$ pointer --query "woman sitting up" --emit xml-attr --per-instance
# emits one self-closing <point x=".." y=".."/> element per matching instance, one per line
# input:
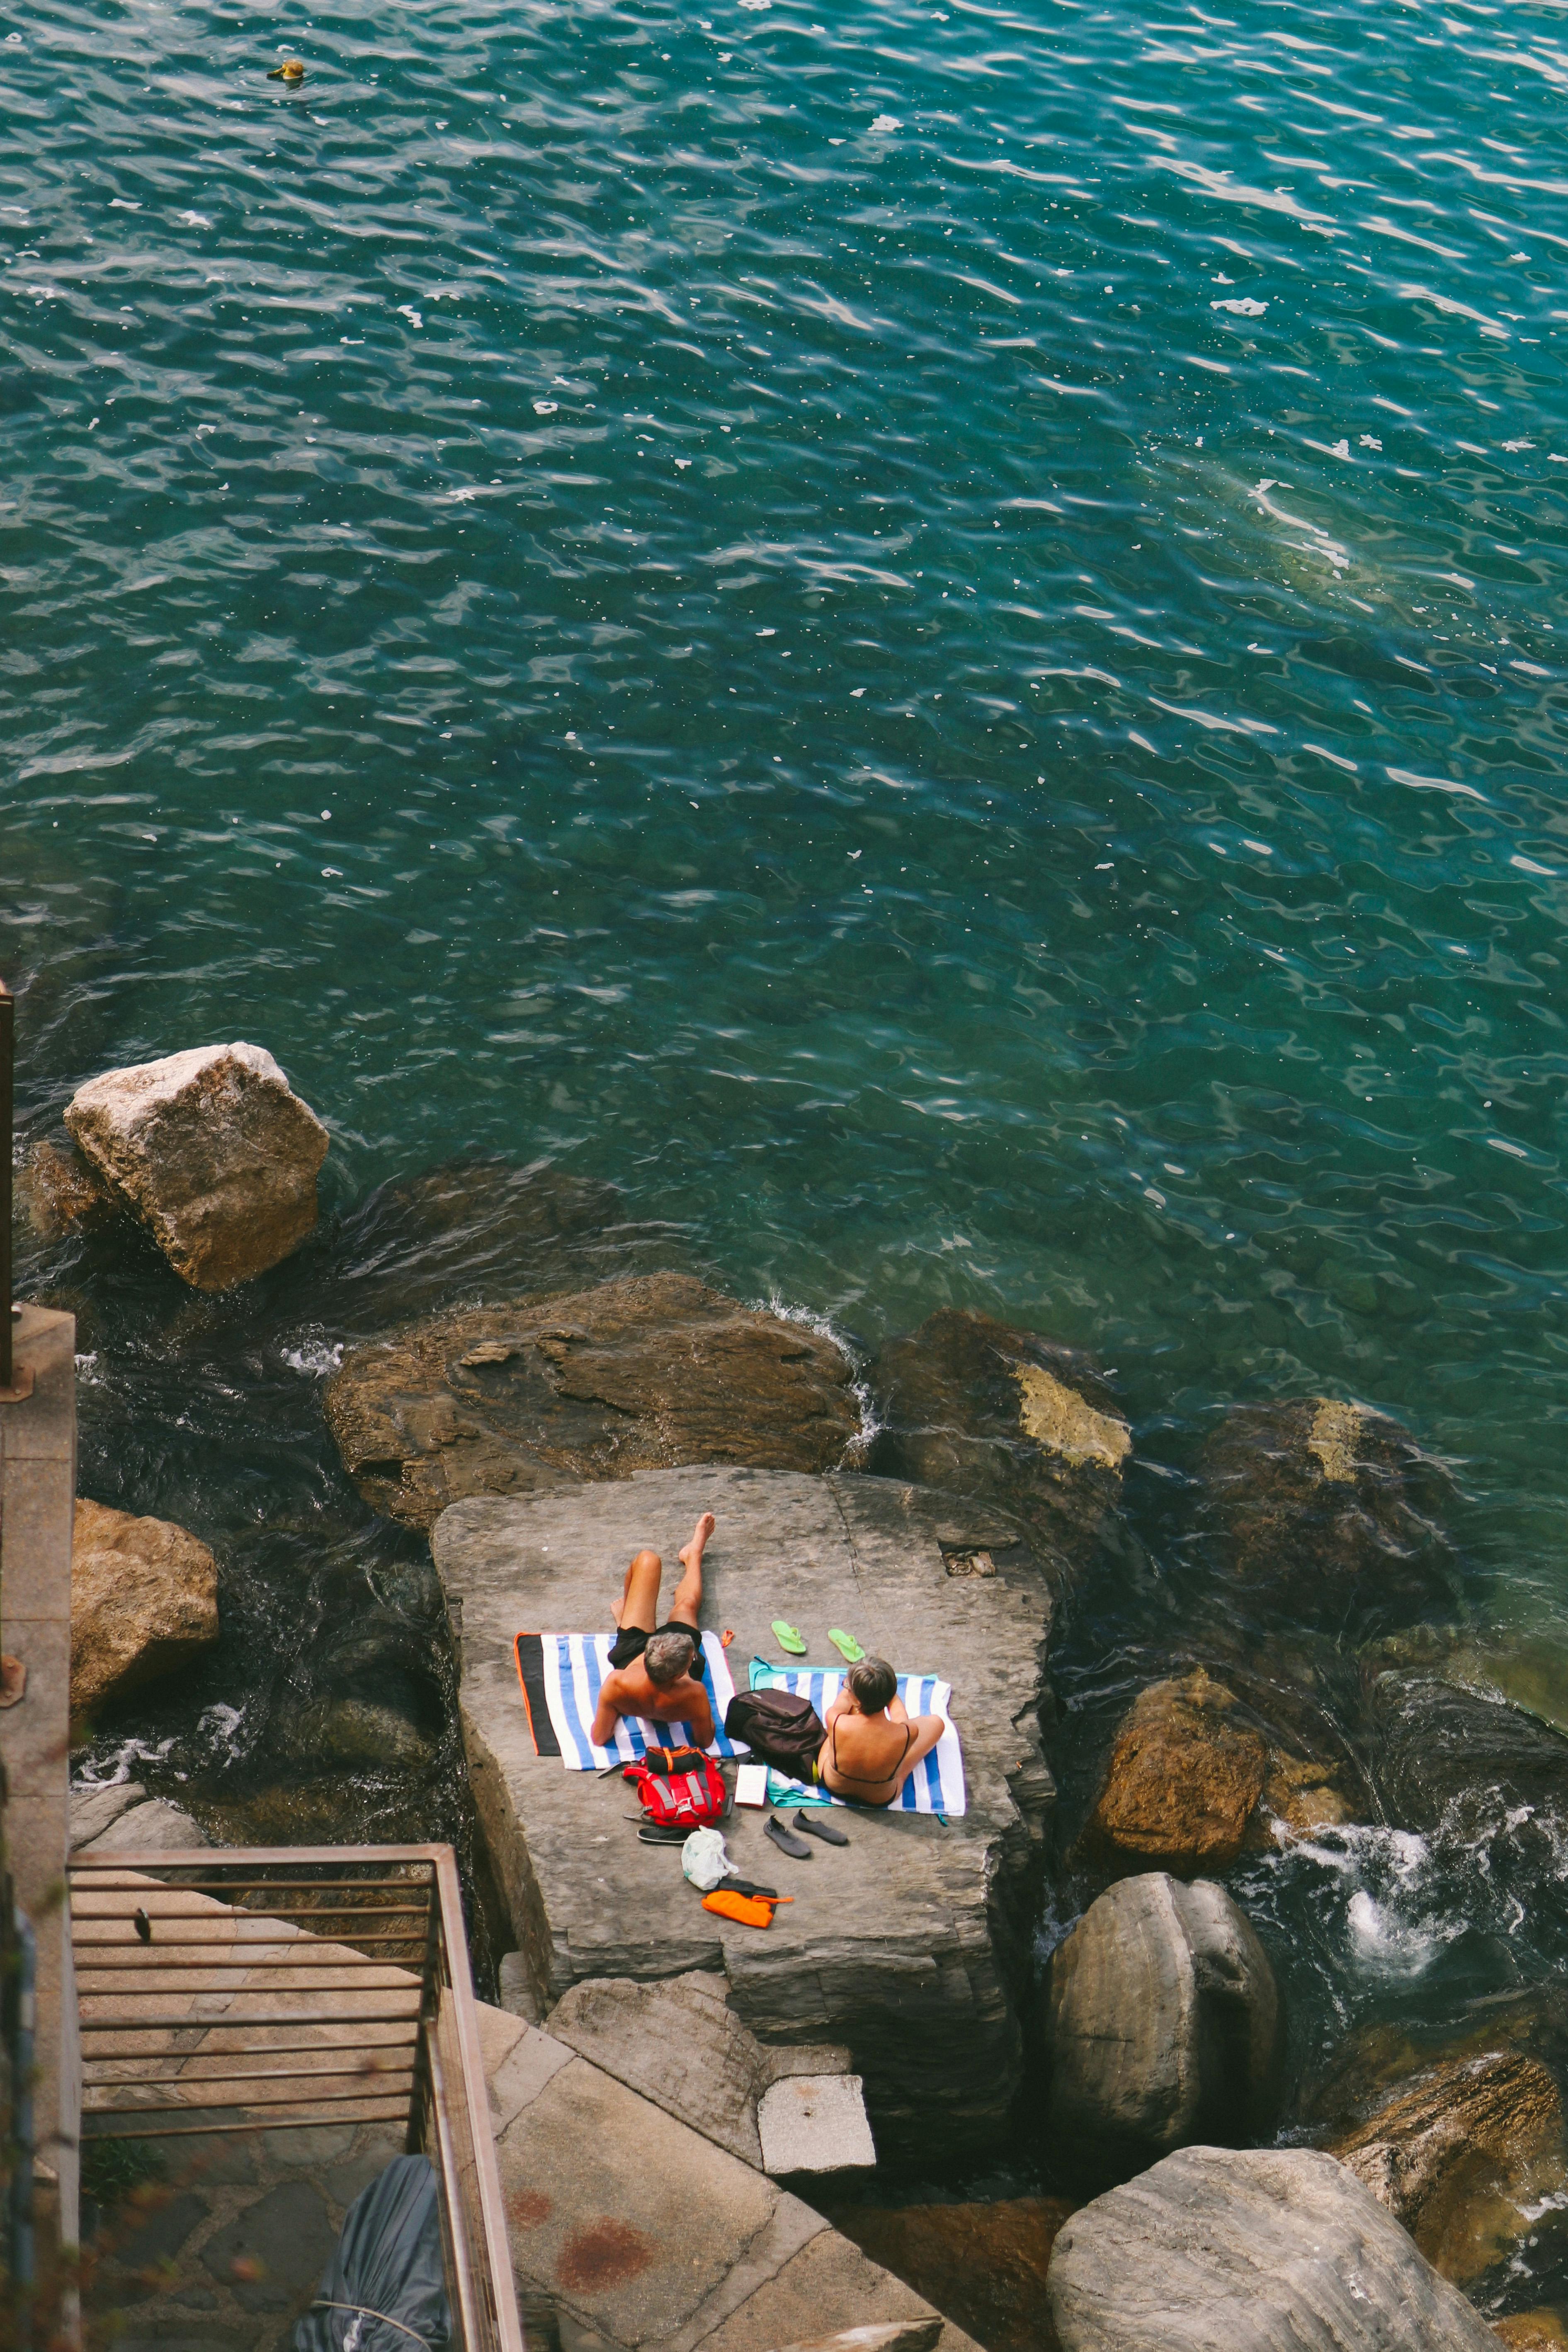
<point x="872" y="1747"/>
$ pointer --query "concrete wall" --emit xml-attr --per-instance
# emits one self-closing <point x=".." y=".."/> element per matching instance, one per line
<point x="37" y="1503"/>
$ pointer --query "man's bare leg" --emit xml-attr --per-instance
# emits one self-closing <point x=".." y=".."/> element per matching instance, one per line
<point x="638" y="1604"/>
<point x="687" y="1602"/>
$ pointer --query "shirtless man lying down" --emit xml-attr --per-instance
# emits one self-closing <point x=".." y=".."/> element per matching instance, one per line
<point x="657" y="1670"/>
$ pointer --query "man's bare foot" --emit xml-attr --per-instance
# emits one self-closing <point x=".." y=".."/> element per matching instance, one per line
<point x="691" y="1555"/>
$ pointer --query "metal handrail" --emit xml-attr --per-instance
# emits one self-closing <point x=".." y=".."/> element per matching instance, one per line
<point x="141" y="2071"/>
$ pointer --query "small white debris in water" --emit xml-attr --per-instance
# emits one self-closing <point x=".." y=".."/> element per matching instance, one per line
<point x="1243" y="305"/>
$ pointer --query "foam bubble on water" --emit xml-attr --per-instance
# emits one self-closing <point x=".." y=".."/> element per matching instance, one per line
<point x="316" y="1358"/>
<point x="113" y="1770"/>
<point x="1395" y="1920"/>
<point x="823" y="1328"/>
<point x="219" y="1724"/>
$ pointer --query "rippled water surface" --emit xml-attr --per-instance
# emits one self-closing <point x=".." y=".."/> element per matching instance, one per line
<point x="932" y="641"/>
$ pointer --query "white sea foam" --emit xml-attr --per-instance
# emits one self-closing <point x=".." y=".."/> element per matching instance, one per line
<point x="315" y="1358"/>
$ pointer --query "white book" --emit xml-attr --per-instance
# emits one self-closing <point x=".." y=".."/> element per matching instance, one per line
<point x="751" y="1784"/>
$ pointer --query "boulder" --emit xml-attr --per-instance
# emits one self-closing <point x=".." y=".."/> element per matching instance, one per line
<point x="143" y="1602"/>
<point x="1190" y="1782"/>
<point x="153" y="1826"/>
<point x="1466" y="2155"/>
<point x="213" y="1152"/>
<point x="912" y="1946"/>
<point x="1320" y="1512"/>
<point x="1163" y="2023"/>
<point x="985" y="2264"/>
<point x="1250" y="2250"/>
<point x="549" y="1392"/>
<point x="974" y="1405"/>
<point x="1481" y="1775"/>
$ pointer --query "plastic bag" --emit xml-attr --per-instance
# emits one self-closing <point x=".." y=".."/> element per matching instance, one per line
<point x="704" y="1860"/>
<point x="384" y="2289"/>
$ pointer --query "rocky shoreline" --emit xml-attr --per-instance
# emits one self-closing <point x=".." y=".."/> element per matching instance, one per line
<point x="1250" y="1694"/>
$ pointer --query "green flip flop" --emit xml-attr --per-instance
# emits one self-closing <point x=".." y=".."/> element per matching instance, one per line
<point x="848" y="1647"/>
<point x="788" y="1639"/>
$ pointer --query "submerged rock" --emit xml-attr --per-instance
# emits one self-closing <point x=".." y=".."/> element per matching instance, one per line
<point x="971" y="1404"/>
<point x="1465" y="2155"/>
<point x="1163" y="2024"/>
<point x="357" y="1735"/>
<point x="1250" y="2250"/>
<point x="214" y="1152"/>
<point x="480" y="1227"/>
<point x="1191" y="1781"/>
<point x="1482" y="1775"/>
<point x="1316" y="1507"/>
<point x="143" y="1602"/>
<point x="62" y="1193"/>
<point x="984" y="2264"/>
<point x="637" y="1375"/>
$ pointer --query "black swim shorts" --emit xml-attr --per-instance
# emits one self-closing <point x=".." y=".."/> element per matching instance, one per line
<point x="632" y="1641"/>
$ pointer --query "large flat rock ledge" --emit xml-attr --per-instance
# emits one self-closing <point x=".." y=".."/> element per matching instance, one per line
<point x="910" y="1947"/>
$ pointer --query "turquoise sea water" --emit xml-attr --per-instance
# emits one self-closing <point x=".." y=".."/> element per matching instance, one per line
<point x="932" y="637"/>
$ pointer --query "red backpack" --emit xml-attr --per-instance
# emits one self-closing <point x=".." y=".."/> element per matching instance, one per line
<point x="691" y="1800"/>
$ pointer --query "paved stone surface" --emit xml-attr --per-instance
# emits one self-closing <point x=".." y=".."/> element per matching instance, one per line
<point x="679" y="2042"/>
<point x="630" y="2228"/>
<point x="910" y="1946"/>
<point x="285" y="2238"/>
<point x="814" y="2123"/>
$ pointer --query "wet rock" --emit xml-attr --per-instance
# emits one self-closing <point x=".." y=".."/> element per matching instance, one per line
<point x="1163" y="2024"/>
<point x="214" y="1152"/>
<point x="1254" y="2250"/>
<point x="974" y="1405"/>
<point x="1463" y="2155"/>
<point x="1183" y="1779"/>
<point x="643" y="1374"/>
<point x="357" y="1735"/>
<point x="1482" y="1776"/>
<point x="984" y="2265"/>
<point x="143" y="1602"/>
<point x="1320" y="1512"/>
<point x="62" y="1193"/>
<point x="1531" y="2331"/>
<point x="153" y="1826"/>
<point x="1191" y="1781"/>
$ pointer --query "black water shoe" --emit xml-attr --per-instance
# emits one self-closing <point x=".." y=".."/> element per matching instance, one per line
<point x="820" y="1826"/>
<point x="786" y="1839"/>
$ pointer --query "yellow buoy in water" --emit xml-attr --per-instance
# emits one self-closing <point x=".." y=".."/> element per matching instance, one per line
<point x="289" y="70"/>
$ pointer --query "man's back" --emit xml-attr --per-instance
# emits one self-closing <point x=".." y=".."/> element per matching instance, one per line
<point x="630" y="1690"/>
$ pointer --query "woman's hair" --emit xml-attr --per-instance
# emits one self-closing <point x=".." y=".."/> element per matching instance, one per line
<point x="666" y="1657"/>
<point x="872" y="1684"/>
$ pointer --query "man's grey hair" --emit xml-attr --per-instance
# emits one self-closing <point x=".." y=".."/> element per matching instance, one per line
<point x="668" y="1656"/>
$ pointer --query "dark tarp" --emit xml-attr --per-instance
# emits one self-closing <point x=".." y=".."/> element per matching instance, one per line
<point x="386" y="2275"/>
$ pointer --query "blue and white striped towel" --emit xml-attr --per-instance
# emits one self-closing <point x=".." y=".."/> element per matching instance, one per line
<point x="936" y="1784"/>
<point x="575" y="1666"/>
